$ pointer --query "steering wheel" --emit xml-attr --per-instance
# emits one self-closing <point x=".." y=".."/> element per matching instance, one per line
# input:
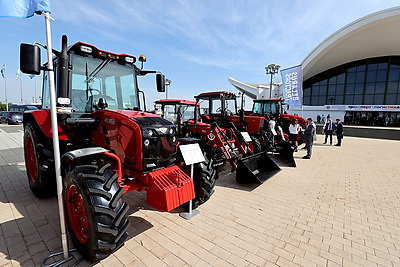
<point x="218" y="109"/>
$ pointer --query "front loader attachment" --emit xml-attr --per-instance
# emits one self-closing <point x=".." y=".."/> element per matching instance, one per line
<point x="256" y="168"/>
<point x="286" y="151"/>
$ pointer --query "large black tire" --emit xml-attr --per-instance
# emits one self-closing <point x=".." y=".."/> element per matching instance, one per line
<point x="204" y="179"/>
<point x="39" y="162"/>
<point x="256" y="144"/>
<point x="96" y="213"/>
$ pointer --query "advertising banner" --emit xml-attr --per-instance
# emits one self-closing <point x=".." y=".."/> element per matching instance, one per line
<point x="292" y="83"/>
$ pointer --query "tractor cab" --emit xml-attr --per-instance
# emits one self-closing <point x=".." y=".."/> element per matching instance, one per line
<point x="217" y="106"/>
<point x="276" y="108"/>
<point x="177" y="111"/>
<point x="268" y="107"/>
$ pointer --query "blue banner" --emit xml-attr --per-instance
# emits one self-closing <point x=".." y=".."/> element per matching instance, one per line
<point x="23" y="8"/>
<point x="292" y="82"/>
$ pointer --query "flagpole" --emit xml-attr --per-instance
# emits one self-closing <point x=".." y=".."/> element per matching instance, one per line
<point x="35" y="100"/>
<point x="20" y="84"/>
<point x="5" y="89"/>
<point x="54" y="127"/>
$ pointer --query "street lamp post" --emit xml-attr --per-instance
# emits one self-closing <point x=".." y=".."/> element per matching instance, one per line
<point x="167" y="83"/>
<point x="271" y="69"/>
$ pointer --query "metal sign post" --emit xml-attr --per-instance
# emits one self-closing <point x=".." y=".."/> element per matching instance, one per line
<point x="191" y="155"/>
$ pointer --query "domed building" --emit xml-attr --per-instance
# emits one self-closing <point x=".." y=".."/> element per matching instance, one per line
<point x="354" y="74"/>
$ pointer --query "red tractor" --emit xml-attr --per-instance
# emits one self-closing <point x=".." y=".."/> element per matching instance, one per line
<point x="274" y="108"/>
<point x="218" y="137"/>
<point x="223" y="110"/>
<point x="109" y="146"/>
<point x="177" y="111"/>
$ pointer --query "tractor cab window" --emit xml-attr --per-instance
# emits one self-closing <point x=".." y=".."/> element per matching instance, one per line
<point x="267" y="108"/>
<point x="187" y="112"/>
<point x="93" y="79"/>
<point x="45" y="92"/>
<point x="169" y="113"/>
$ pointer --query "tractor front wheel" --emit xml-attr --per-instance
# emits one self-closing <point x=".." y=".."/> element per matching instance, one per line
<point x="205" y="177"/>
<point x="96" y="214"/>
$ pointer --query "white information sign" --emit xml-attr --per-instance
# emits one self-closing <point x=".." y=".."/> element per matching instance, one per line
<point x="192" y="153"/>
<point x="246" y="136"/>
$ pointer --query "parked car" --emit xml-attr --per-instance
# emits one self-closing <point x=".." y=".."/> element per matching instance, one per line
<point x="11" y="117"/>
<point x="23" y="107"/>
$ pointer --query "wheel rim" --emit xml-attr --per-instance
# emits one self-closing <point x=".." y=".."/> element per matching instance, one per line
<point x="30" y="158"/>
<point x="77" y="213"/>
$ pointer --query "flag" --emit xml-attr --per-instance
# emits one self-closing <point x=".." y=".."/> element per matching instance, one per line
<point x="3" y="71"/>
<point x="292" y="82"/>
<point x="23" y="8"/>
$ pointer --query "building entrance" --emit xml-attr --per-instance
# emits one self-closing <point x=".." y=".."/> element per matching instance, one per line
<point x="373" y="118"/>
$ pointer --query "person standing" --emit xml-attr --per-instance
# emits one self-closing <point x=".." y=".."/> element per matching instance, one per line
<point x="328" y="130"/>
<point x="309" y="137"/>
<point x="272" y="124"/>
<point x="323" y="118"/>
<point x="339" y="132"/>
<point x="294" y="129"/>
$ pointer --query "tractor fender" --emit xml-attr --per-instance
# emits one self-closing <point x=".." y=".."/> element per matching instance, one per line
<point x="43" y="119"/>
<point x="73" y="156"/>
<point x="82" y="152"/>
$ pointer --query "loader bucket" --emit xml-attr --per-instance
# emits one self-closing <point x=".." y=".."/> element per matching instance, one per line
<point x="256" y="168"/>
<point x="286" y="151"/>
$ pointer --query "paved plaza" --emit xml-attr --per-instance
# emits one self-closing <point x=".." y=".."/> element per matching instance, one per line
<point x="340" y="208"/>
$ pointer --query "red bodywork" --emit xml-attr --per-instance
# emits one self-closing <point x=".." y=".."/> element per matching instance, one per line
<point x="221" y="138"/>
<point x="43" y="119"/>
<point x="167" y="188"/>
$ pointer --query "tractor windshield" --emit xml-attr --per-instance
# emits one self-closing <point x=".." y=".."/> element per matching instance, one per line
<point x="216" y="106"/>
<point x="267" y="108"/>
<point x="171" y="111"/>
<point x="94" y="78"/>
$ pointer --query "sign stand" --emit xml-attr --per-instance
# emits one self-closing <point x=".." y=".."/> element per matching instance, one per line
<point x="191" y="155"/>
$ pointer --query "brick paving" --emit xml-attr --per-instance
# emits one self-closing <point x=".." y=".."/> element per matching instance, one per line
<point x="341" y="208"/>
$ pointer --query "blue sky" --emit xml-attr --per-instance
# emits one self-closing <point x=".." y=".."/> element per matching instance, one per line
<point x="197" y="44"/>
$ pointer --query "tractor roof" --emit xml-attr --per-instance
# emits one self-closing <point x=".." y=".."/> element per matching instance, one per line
<point x="176" y="101"/>
<point x="216" y="95"/>
<point x="266" y="100"/>
<point x="88" y="49"/>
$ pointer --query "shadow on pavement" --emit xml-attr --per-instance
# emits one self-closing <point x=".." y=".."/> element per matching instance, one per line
<point x="30" y="227"/>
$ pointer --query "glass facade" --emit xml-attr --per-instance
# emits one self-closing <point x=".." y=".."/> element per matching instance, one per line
<point x="373" y="81"/>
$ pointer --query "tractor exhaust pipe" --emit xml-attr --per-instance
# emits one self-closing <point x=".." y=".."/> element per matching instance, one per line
<point x="63" y="69"/>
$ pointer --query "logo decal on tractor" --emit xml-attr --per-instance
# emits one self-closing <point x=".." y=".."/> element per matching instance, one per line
<point x="211" y="136"/>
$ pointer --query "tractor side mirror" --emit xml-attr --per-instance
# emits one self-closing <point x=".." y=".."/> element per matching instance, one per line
<point x="29" y="60"/>
<point x="160" y="82"/>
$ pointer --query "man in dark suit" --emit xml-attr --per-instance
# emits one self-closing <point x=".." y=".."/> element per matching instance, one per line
<point x="328" y="130"/>
<point x="309" y="137"/>
<point x="339" y="132"/>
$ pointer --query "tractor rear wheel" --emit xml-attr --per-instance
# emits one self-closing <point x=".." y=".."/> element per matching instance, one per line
<point x="204" y="178"/>
<point x="96" y="213"/>
<point x="39" y="162"/>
